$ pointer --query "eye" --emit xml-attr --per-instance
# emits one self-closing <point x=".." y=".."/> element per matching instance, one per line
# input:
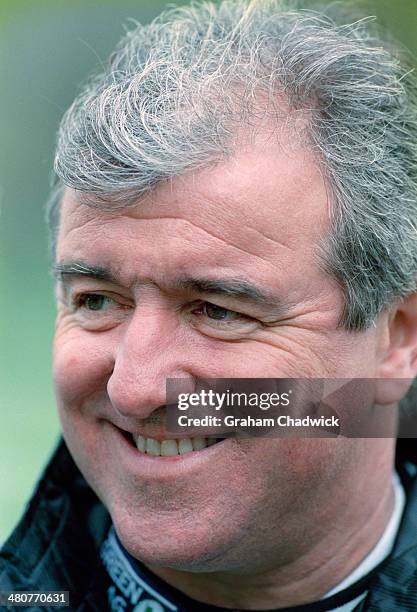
<point x="96" y="311"/>
<point x="93" y="301"/>
<point x="209" y="313"/>
<point x="222" y="323"/>
<point x="218" y="313"/>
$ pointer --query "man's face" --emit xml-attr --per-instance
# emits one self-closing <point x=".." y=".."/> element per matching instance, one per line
<point x="258" y="218"/>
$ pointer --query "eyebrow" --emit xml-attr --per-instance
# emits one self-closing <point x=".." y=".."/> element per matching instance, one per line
<point x="234" y="287"/>
<point x="76" y="268"/>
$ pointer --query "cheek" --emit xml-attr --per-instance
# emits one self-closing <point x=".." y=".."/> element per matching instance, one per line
<point x="82" y="365"/>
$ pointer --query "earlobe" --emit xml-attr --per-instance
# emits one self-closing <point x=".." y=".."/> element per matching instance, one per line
<point x="389" y="391"/>
<point x="398" y="366"/>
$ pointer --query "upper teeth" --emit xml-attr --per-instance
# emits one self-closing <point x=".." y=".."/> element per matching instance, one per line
<point x="166" y="448"/>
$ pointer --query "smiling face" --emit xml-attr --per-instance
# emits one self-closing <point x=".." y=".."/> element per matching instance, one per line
<point x="214" y="274"/>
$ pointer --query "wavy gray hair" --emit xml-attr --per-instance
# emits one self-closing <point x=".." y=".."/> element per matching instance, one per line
<point x="176" y="92"/>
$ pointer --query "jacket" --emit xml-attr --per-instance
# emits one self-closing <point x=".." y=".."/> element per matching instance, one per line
<point x="55" y="544"/>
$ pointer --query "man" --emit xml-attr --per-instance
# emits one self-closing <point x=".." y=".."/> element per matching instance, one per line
<point x="236" y="199"/>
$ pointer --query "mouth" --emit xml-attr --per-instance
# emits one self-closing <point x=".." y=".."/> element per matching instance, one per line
<point x="160" y="457"/>
<point x="171" y="447"/>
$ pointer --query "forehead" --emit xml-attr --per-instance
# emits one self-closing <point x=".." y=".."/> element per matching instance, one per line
<point x="265" y="206"/>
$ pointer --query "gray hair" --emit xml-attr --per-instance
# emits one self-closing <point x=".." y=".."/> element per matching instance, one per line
<point x="176" y="93"/>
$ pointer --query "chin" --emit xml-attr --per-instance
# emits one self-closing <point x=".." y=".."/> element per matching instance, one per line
<point x="162" y="542"/>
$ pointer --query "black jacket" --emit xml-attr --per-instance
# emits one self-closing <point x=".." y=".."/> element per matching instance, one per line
<point x="55" y="545"/>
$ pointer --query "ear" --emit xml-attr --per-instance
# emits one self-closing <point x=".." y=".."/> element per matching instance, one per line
<point x="398" y="366"/>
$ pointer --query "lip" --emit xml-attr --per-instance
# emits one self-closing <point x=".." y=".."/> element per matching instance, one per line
<point x="147" y="466"/>
<point x="158" y="432"/>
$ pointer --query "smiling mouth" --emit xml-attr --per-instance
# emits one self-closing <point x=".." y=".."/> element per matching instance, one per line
<point x="170" y="448"/>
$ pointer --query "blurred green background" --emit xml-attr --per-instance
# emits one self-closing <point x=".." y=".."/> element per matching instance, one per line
<point x="47" y="48"/>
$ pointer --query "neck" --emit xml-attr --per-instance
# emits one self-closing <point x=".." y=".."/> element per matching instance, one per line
<point x="309" y="577"/>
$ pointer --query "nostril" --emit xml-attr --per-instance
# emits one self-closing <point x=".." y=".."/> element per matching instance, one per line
<point x="157" y="417"/>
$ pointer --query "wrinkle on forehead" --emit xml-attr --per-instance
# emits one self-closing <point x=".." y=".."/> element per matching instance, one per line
<point x="183" y="237"/>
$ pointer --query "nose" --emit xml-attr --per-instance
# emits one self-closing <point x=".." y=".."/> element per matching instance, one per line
<point x="149" y="352"/>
